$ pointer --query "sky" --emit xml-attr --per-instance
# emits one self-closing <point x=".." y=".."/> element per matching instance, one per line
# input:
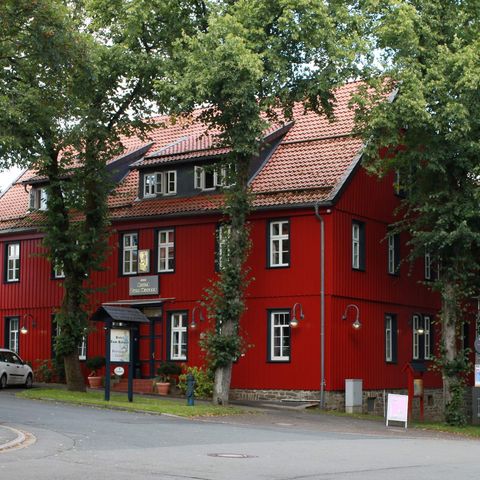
<point x="7" y="177"/>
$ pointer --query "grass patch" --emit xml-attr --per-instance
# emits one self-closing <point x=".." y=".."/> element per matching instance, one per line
<point x="139" y="404"/>
<point x="472" y="431"/>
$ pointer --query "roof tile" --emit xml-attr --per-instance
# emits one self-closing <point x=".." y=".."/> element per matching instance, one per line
<point x="308" y="164"/>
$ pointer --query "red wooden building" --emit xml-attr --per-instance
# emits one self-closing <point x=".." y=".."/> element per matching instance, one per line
<point x="321" y="255"/>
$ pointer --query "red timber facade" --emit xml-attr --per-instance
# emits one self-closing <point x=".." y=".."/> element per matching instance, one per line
<point x="307" y="164"/>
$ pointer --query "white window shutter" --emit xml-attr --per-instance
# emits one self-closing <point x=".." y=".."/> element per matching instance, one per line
<point x="198" y="178"/>
<point x="160" y="187"/>
<point x="31" y="199"/>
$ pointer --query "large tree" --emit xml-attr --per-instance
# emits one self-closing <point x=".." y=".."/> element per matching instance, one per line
<point x="74" y="78"/>
<point x="254" y="60"/>
<point x="429" y="133"/>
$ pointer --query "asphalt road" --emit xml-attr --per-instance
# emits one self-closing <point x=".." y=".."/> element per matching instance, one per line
<point x="87" y="443"/>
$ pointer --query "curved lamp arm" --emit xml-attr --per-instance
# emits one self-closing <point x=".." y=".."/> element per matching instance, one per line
<point x="356" y="324"/>
<point x="301" y="316"/>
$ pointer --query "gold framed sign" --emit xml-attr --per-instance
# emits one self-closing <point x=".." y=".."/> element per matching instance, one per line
<point x="144" y="261"/>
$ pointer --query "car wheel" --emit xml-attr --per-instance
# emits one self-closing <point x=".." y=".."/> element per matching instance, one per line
<point x="29" y="381"/>
<point x="3" y="381"/>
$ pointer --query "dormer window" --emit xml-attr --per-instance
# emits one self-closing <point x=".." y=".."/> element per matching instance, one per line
<point x="160" y="183"/>
<point x="210" y="177"/>
<point x="38" y="199"/>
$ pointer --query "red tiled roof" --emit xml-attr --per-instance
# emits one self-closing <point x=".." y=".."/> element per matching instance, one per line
<point x="307" y="166"/>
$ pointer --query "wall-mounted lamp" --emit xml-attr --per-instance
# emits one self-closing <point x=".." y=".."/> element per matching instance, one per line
<point x="301" y="316"/>
<point x="27" y="318"/>
<point x="418" y="323"/>
<point x="201" y="318"/>
<point x="356" y="324"/>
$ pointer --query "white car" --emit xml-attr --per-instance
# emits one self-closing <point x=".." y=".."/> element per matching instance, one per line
<point x="13" y="370"/>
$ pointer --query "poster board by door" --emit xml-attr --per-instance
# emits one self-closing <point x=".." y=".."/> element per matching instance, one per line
<point x="397" y="408"/>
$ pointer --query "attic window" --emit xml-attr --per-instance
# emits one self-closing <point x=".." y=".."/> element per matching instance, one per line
<point x="38" y="199"/>
<point x="210" y="177"/>
<point x="160" y="183"/>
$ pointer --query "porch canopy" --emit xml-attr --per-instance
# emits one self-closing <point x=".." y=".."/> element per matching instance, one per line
<point x="119" y="314"/>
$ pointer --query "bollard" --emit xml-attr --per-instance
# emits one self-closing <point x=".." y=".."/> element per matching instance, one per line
<point x="190" y="392"/>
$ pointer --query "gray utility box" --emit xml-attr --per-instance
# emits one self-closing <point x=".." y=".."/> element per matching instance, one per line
<point x="353" y="395"/>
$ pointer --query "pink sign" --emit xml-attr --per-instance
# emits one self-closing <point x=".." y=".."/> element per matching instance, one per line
<point x="397" y="408"/>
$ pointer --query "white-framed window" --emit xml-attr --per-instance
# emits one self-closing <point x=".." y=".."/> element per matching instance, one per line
<point x="427" y="332"/>
<point x="166" y="250"/>
<point x="223" y="235"/>
<point x="12" y="262"/>
<point x="205" y="178"/>
<point x="38" y="198"/>
<point x="393" y="240"/>
<point x="422" y="333"/>
<point x="355" y="245"/>
<point x="279" y="243"/>
<point x="129" y="253"/>
<point x="170" y="182"/>
<point x="149" y="185"/>
<point x="416" y="320"/>
<point x="391" y="254"/>
<point x="279" y="336"/>
<point x="178" y="336"/>
<point x="82" y="349"/>
<point x="160" y="183"/>
<point x="211" y="177"/>
<point x="12" y="333"/>
<point x="388" y="338"/>
<point x="358" y="245"/>
<point x="427" y="266"/>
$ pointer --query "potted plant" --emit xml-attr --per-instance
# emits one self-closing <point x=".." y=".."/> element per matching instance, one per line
<point x="94" y="364"/>
<point x="165" y="372"/>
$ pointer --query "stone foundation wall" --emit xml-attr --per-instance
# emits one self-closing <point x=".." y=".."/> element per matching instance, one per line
<point x="373" y="400"/>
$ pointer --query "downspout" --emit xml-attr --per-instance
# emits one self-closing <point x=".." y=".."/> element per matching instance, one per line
<point x="322" y="307"/>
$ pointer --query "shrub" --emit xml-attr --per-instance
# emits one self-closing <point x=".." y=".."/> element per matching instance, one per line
<point x="203" y="382"/>
<point x="95" y="363"/>
<point x="44" y="372"/>
<point x="166" y="369"/>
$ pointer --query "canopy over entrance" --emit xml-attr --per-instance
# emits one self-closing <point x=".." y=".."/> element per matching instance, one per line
<point x="119" y="314"/>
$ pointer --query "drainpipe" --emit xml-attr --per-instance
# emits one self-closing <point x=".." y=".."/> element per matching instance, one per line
<point x="322" y="307"/>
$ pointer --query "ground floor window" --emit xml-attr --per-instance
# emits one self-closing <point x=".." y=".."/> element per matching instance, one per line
<point x="279" y="336"/>
<point x="11" y="333"/>
<point x="178" y="335"/>
<point x="390" y="338"/>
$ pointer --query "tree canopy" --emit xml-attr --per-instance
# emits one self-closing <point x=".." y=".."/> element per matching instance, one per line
<point x="429" y="133"/>
<point x="251" y="63"/>
<point x="74" y="78"/>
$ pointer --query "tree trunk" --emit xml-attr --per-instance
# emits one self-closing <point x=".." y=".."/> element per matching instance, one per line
<point x="73" y="373"/>
<point x="221" y="388"/>
<point x="74" y="315"/>
<point x="449" y="321"/>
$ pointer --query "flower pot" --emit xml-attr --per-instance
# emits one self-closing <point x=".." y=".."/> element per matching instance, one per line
<point x="95" y="382"/>
<point x="162" y="388"/>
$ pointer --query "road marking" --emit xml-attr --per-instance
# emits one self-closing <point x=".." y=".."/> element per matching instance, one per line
<point x="231" y="455"/>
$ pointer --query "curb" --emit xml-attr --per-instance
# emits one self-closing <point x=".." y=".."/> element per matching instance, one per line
<point x="23" y="439"/>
